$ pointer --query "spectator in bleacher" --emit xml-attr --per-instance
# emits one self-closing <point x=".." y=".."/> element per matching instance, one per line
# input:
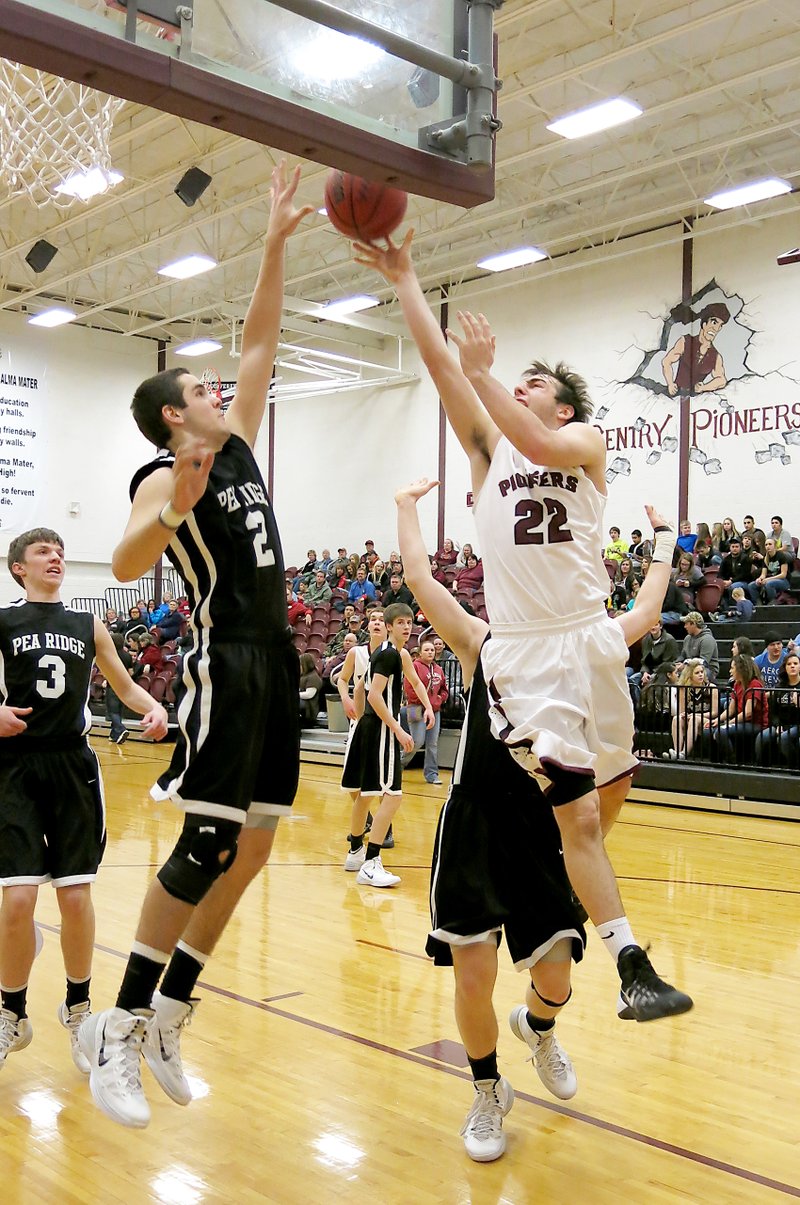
<point x="740" y="609"/>
<point x="687" y="538"/>
<point x="437" y="572"/>
<point x="622" y="589"/>
<point x="774" y="576"/>
<point x="310" y="691"/>
<point x="771" y="661"/>
<point x="441" y="651"/>
<point x="150" y="659"/>
<point x="783" y="541"/>
<point x="325" y="561"/>
<point x="353" y="562"/>
<point x="158" y="613"/>
<point x="783" y="735"/>
<point x="112" y="621"/>
<point x="742" y="646"/>
<point x="170" y="625"/>
<point x="334" y="645"/>
<point x="319" y="591"/>
<point x="311" y="565"/>
<point x="144" y="612"/>
<point x="729" y="533"/>
<point x="736" y="568"/>
<point x="673" y="605"/>
<point x="297" y="609"/>
<point x="639" y="548"/>
<point x="699" y="643"/>
<point x="687" y="577"/>
<point x="471" y="576"/>
<point x="369" y="555"/>
<point x="704" y="555"/>
<point x="337" y="576"/>
<point x="398" y="592"/>
<point x="616" y="549"/>
<point x="702" y="533"/>
<point x="332" y="665"/>
<point x="756" y="555"/>
<point x="447" y="554"/>
<point x="756" y="535"/>
<point x="636" y="586"/>
<point x="432" y="678"/>
<point x="746" y="715"/>
<point x="657" y="705"/>
<point x="135" y="622"/>
<point x="466" y="552"/>
<point x="697" y="701"/>
<point x="379" y="576"/>
<point x="355" y="624"/>
<point x="658" y="647"/>
<point x="361" y="590"/>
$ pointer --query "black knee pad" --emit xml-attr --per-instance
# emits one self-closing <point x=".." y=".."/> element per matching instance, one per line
<point x="205" y="849"/>
<point x="568" y="785"/>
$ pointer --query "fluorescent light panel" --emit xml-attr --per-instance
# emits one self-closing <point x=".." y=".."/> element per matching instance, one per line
<point x="511" y="259"/>
<point x="598" y="117"/>
<point x="331" y="55"/>
<point x="745" y="194"/>
<point x="190" y="265"/>
<point x="89" y="183"/>
<point x="348" y="305"/>
<point x="198" y="347"/>
<point x="57" y="316"/>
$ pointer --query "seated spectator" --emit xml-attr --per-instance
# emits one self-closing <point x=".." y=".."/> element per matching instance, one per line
<point x="297" y="610"/>
<point x="447" y="554"/>
<point x="332" y="665"/>
<point x="325" y="561"/>
<point x="697" y="700"/>
<point x="309" y="569"/>
<point x="169" y="625"/>
<point x="466" y="552"/>
<point x="636" y="586"/>
<point x="135" y="622"/>
<point x="783" y="541"/>
<point x="369" y="555"/>
<point x="658" y="647"/>
<point x="736" y="568"/>
<point x="361" y="590"/>
<point x="437" y="572"/>
<point x="149" y="660"/>
<point x="728" y="533"/>
<point x="639" y="548"/>
<point x="704" y="555"/>
<point x="337" y="576"/>
<point x="353" y="562"/>
<point x="686" y="540"/>
<point x="379" y="576"/>
<point x="656" y="707"/>
<point x="771" y="661"/>
<point x="616" y="549"/>
<point x="781" y="741"/>
<point x="754" y="534"/>
<point x="398" y="592"/>
<point x="471" y="576"/>
<point x="319" y="591"/>
<point x="774" y="576"/>
<point x="699" y="643"/>
<point x="158" y="613"/>
<point x="310" y="691"/>
<point x="687" y="577"/>
<point x="673" y="605"/>
<point x="112" y="621"/>
<point x="742" y="646"/>
<point x="740" y="608"/>
<point x="702" y="533"/>
<point x="735" y="729"/>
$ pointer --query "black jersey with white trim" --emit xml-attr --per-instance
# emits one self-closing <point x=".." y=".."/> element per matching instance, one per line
<point x="228" y="550"/>
<point x="46" y="656"/>
<point x="386" y="660"/>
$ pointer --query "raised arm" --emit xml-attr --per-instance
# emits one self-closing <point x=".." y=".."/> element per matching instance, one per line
<point x="647" y="608"/>
<point x="569" y="446"/>
<point x="473" y="427"/>
<point x="262" y="323"/>
<point x="463" y="633"/>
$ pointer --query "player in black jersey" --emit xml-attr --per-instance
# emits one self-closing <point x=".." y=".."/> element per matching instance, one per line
<point x="497" y="863"/>
<point x="204" y="503"/>
<point x="52" y="813"/>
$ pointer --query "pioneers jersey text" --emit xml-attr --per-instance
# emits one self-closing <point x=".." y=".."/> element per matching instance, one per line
<point x="46" y="655"/>
<point x="228" y="550"/>
<point x="540" y="537"/>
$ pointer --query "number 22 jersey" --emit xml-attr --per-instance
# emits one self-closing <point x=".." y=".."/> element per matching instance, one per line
<point x="540" y="537"/>
<point x="228" y="550"/>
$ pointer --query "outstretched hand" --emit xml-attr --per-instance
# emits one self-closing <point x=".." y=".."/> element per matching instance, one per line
<point x="657" y="519"/>
<point x="476" y="348"/>
<point x="284" y="217"/>
<point x="193" y="461"/>
<point x="392" y="261"/>
<point x="415" y="490"/>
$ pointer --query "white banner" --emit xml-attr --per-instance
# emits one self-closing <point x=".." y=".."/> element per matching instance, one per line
<point x="22" y="444"/>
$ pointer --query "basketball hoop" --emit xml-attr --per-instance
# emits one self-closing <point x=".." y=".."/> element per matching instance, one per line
<point x="51" y="130"/>
<point x="213" y="382"/>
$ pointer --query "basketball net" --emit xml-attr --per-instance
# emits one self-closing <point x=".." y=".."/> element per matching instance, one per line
<point x="213" y="382"/>
<point x="50" y="129"/>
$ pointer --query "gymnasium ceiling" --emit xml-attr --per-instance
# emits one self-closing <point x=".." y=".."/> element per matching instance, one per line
<point x="719" y="81"/>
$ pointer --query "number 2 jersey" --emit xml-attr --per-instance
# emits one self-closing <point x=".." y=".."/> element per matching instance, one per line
<point x="228" y="550"/>
<point x="540" y="536"/>
<point x="46" y="655"/>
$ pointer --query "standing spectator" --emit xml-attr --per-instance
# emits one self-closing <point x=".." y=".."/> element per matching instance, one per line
<point x="745" y="716"/>
<point x="756" y="535"/>
<point x="783" y="541"/>
<point x="398" y="592"/>
<point x="774" y="576"/>
<point x="471" y="576"/>
<point x="771" y="661"/>
<point x="310" y="691"/>
<point x="432" y="678"/>
<point x="447" y="554"/>
<point x="698" y="642"/>
<point x="615" y="550"/>
<point x="362" y="590"/>
<point x="319" y="591"/>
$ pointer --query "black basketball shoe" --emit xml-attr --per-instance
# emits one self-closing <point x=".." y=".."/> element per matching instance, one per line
<point x="643" y="996"/>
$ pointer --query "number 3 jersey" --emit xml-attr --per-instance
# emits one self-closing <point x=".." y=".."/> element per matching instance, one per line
<point x="540" y="537"/>
<point x="46" y="655"/>
<point x="228" y="550"/>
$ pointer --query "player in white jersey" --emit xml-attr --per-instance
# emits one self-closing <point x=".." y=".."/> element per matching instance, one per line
<point x="555" y="671"/>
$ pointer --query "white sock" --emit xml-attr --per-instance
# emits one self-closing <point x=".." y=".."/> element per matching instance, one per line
<point x="616" y="935"/>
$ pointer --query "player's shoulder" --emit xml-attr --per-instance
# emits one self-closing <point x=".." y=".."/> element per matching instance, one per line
<point x="164" y="460"/>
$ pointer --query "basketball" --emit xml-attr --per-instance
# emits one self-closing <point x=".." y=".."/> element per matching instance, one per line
<point x="361" y="209"/>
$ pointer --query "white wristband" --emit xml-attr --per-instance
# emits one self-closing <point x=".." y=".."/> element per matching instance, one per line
<point x="665" y="546"/>
<point x="171" y="518"/>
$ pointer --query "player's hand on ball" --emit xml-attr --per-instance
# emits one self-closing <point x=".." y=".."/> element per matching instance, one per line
<point x="392" y="261"/>
<point x="476" y="348"/>
<point x="10" y="722"/>
<point x="284" y="217"/>
<point x="193" y="462"/>
<point x="415" y="490"/>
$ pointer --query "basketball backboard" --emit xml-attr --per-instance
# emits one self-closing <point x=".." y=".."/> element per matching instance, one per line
<point x="421" y="118"/>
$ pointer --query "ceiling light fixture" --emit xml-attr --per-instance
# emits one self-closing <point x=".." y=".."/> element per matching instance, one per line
<point x="57" y="316"/>
<point x="348" y="305"/>
<point x="745" y="194"/>
<point x="511" y="259"/>
<point x="190" y="265"/>
<point x="603" y="116"/>
<point x="89" y="183"/>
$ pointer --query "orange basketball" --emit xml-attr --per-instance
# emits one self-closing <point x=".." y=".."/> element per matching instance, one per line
<point x="361" y="209"/>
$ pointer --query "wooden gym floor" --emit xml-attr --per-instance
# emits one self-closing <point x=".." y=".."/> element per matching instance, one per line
<point x="325" y="1058"/>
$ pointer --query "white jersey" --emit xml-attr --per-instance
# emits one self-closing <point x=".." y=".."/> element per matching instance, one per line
<point x="361" y="663"/>
<point x="540" y="537"/>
